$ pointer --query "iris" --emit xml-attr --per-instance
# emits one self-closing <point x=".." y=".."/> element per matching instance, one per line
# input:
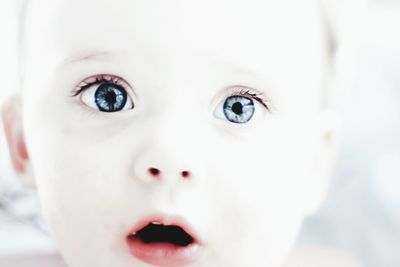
<point x="238" y="109"/>
<point x="110" y="97"/>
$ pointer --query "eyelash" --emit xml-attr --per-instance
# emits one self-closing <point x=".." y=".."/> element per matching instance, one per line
<point x="250" y="93"/>
<point x="99" y="79"/>
<point x="237" y="90"/>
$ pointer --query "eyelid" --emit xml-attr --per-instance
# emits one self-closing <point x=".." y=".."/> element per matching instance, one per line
<point x="99" y="79"/>
<point x="251" y="93"/>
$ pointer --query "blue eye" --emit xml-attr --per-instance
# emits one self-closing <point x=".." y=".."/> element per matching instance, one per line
<point x="238" y="109"/>
<point x="110" y="97"/>
<point x="106" y="94"/>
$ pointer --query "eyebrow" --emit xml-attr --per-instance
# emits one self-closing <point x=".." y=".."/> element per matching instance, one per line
<point x="101" y="55"/>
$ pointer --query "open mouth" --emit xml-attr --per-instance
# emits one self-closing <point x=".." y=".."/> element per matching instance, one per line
<point x="163" y="242"/>
<point x="158" y="233"/>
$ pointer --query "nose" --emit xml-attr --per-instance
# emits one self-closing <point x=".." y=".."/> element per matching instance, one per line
<point x="155" y="173"/>
<point x="169" y="149"/>
<point x="155" y="164"/>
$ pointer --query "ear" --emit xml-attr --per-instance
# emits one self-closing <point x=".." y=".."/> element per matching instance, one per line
<point x="12" y="124"/>
<point x="329" y="135"/>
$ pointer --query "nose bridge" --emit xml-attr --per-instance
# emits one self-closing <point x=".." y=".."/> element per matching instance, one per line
<point x="180" y="122"/>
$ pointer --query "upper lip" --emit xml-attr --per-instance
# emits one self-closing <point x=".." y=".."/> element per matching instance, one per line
<point x="166" y="220"/>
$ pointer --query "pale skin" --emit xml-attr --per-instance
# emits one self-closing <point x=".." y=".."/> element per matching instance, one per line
<point x="247" y="186"/>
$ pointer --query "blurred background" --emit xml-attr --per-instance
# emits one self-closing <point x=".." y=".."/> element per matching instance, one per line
<point x="362" y="212"/>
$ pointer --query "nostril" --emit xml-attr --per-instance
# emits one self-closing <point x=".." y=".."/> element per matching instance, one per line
<point x="185" y="174"/>
<point x="154" y="171"/>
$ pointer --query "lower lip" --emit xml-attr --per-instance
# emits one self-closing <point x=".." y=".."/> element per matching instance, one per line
<point x="164" y="255"/>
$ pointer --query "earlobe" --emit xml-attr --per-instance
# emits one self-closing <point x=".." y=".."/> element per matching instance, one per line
<point x="12" y="124"/>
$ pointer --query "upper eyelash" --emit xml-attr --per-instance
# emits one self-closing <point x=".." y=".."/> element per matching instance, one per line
<point x="102" y="78"/>
<point x="248" y="92"/>
<point x="236" y="90"/>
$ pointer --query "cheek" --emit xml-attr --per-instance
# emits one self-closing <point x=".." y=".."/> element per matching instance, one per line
<point x="274" y="164"/>
<point x="259" y="186"/>
<point x="86" y="198"/>
<point x="82" y="184"/>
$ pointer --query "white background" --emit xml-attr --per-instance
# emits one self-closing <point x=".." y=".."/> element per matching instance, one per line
<point x="362" y="213"/>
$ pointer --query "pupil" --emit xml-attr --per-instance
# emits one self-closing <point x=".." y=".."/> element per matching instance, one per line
<point x="237" y="108"/>
<point x="111" y="98"/>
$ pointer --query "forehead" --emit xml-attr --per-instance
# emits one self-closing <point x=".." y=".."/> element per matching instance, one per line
<point x="227" y="28"/>
<point x="273" y="37"/>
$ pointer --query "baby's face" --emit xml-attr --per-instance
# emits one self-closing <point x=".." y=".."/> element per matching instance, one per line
<point x="174" y="133"/>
